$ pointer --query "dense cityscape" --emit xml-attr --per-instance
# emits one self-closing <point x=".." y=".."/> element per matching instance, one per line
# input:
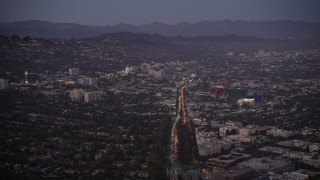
<point x="113" y="108"/>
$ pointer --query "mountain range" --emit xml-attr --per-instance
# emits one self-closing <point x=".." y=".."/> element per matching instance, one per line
<point x="299" y="30"/>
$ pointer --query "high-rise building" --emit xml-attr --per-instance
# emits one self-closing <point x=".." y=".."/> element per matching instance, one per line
<point x="76" y="95"/>
<point x="145" y="67"/>
<point x="4" y="84"/>
<point x="74" y="71"/>
<point x="157" y="74"/>
<point x="219" y="92"/>
<point x="92" y="82"/>
<point x="93" y="96"/>
<point x="88" y="82"/>
<point x="160" y="74"/>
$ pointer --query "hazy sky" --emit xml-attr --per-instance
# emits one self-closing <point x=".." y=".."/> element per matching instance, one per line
<point x="110" y="12"/>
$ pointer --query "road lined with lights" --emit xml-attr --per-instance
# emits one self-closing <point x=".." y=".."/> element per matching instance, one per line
<point x="181" y="115"/>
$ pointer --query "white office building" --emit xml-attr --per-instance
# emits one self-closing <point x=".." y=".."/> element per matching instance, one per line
<point x="74" y="71"/>
<point x="4" y="84"/>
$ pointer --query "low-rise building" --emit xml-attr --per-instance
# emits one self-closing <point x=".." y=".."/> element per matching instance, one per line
<point x="235" y="174"/>
<point x="207" y="143"/>
<point x="314" y="147"/>
<point x="243" y="139"/>
<point x="267" y="164"/>
<point x="294" y="143"/>
<point x="247" y="131"/>
<point x="279" y="133"/>
<point x="227" y="161"/>
<point x="289" y="175"/>
<point x="276" y="150"/>
<point x="228" y="130"/>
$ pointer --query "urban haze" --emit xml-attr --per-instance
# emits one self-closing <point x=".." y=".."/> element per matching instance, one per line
<point x="190" y="90"/>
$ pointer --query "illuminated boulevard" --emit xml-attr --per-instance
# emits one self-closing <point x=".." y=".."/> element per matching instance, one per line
<point x="181" y="119"/>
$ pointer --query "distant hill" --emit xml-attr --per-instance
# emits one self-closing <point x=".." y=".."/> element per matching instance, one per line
<point x="146" y="37"/>
<point x="265" y="29"/>
<point x="198" y="47"/>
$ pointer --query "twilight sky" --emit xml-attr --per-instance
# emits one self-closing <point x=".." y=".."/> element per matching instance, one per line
<point x="137" y="12"/>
